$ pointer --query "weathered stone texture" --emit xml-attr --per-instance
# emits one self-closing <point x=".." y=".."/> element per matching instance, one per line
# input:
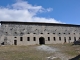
<point x="11" y="32"/>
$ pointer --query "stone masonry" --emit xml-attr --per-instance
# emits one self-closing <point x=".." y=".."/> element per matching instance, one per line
<point x="35" y="33"/>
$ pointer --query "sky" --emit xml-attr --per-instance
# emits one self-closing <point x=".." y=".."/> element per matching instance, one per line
<point x="51" y="11"/>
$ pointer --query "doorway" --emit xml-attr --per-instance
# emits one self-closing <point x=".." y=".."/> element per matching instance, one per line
<point x="15" y="42"/>
<point x="41" y="40"/>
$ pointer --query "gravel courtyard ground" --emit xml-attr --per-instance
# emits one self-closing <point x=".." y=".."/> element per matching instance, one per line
<point x="39" y="52"/>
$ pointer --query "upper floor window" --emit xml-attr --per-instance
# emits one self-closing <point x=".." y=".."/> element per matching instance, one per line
<point x="48" y="33"/>
<point x="74" y="33"/>
<point x="28" y="33"/>
<point x="68" y="33"/>
<point x="59" y="33"/>
<point x="15" y="37"/>
<point x="34" y="33"/>
<point x="41" y="33"/>
<point x="53" y="33"/>
<point x="64" y="33"/>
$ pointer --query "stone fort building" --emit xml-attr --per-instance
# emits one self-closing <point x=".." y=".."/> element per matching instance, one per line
<point x="35" y="33"/>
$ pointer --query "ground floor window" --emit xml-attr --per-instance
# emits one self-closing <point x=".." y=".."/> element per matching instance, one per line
<point x="54" y="38"/>
<point x="74" y="38"/>
<point x="15" y="42"/>
<point x="34" y="38"/>
<point x="69" y="38"/>
<point x="64" y="39"/>
<point x="60" y="38"/>
<point x="28" y="38"/>
<point x="48" y="38"/>
<point x="21" y="38"/>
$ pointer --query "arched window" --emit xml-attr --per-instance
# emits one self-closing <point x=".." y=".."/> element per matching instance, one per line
<point x="60" y="38"/>
<point x="48" y="38"/>
<point x="54" y="38"/>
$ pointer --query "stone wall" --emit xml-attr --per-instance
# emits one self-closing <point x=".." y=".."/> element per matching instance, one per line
<point x="62" y="34"/>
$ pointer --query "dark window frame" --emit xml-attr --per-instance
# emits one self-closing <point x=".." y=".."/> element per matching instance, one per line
<point x="28" y="38"/>
<point x="15" y="37"/>
<point x="21" y="38"/>
<point x="53" y="33"/>
<point x="74" y="38"/>
<point x="48" y="33"/>
<point x="34" y="38"/>
<point x="41" y="33"/>
<point x="69" y="38"/>
<point x="60" y="38"/>
<point x="59" y="33"/>
<point x="54" y="38"/>
<point x="48" y="38"/>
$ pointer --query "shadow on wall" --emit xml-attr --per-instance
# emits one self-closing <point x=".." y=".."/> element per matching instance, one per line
<point x="76" y="58"/>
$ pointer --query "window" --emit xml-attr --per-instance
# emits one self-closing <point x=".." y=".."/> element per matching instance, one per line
<point x="48" y="33"/>
<point x="54" y="38"/>
<point x="74" y="38"/>
<point x="28" y="33"/>
<point x="53" y="33"/>
<point x="59" y="33"/>
<point x="63" y="33"/>
<point x="69" y="38"/>
<point x="34" y="33"/>
<point x="41" y="33"/>
<point x="21" y="38"/>
<point x="28" y="38"/>
<point x="60" y="38"/>
<point x="15" y="37"/>
<point x="5" y="32"/>
<point x="74" y="33"/>
<point x="34" y="38"/>
<point x="64" y="39"/>
<point x="48" y="38"/>
<point x="68" y="33"/>
<point x="36" y="29"/>
<point x="15" y="32"/>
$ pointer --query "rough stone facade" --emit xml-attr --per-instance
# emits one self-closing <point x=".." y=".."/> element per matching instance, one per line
<point x="35" y="33"/>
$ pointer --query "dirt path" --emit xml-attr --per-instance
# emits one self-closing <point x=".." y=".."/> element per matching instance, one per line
<point x="56" y="51"/>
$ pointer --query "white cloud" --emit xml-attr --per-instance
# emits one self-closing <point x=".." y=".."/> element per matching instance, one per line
<point x="49" y="9"/>
<point x="23" y="11"/>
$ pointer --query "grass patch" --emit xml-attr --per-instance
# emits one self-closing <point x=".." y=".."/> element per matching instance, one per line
<point x="30" y="52"/>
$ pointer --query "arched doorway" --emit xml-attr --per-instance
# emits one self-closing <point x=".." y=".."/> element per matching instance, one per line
<point x="41" y="40"/>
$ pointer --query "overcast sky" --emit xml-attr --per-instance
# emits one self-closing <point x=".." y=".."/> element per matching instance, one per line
<point x="53" y="11"/>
